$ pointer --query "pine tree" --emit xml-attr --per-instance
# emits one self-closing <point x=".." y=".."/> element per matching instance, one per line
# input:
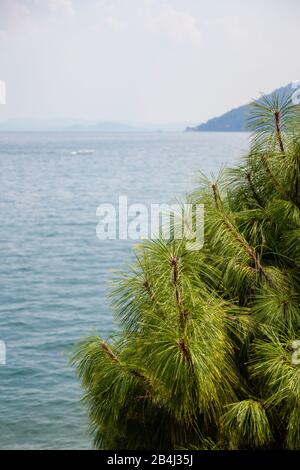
<point x="204" y="355"/>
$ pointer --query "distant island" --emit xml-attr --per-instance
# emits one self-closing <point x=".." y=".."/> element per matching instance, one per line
<point x="63" y="125"/>
<point x="234" y="120"/>
<point x="81" y="125"/>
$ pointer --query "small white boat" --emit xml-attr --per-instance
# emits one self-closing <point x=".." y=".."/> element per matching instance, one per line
<point x="83" y="152"/>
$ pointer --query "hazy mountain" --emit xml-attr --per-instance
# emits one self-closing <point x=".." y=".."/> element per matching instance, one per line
<point x="76" y="125"/>
<point x="72" y="125"/>
<point x="100" y="127"/>
<point x="234" y="120"/>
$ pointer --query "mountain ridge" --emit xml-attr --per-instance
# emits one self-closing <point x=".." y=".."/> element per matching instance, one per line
<point x="233" y="120"/>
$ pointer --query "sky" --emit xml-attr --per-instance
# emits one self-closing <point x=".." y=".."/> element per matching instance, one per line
<point x="155" y="61"/>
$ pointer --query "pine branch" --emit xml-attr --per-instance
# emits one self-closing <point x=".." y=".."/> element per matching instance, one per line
<point x="250" y="251"/>
<point x="183" y="313"/>
<point x="148" y="290"/>
<point x="216" y="195"/>
<point x="278" y="130"/>
<point x="253" y="190"/>
<point x="109" y="352"/>
<point x="185" y="351"/>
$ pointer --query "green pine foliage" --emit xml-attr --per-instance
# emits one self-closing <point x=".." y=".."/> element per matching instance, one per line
<point x="203" y="359"/>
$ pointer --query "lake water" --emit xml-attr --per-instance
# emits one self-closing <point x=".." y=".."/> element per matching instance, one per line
<point x="54" y="271"/>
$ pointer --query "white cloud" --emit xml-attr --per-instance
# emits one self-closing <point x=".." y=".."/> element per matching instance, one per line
<point x="61" y="5"/>
<point x="148" y="19"/>
<point x="231" y="26"/>
<point x="3" y="35"/>
<point x="11" y="11"/>
<point x="16" y="13"/>
<point x="115" y="23"/>
<point x="176" y="25"/>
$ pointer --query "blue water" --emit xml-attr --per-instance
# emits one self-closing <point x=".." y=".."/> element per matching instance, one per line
<point x="54" y="272"/>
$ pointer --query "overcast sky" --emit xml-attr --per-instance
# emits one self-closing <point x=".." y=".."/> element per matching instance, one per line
<point x="144" y="60"/>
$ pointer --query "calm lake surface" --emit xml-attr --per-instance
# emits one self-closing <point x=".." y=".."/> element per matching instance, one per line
<point x="54" y="271"/>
